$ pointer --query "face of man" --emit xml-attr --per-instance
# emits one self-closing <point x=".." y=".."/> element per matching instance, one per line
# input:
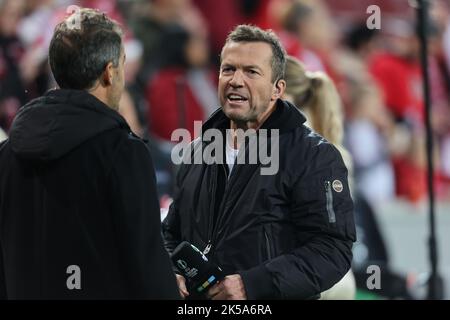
<point x="245" y="89"/>
<point x="118" y="82"/>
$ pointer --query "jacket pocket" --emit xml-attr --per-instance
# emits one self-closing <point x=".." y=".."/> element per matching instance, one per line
<point x="329" y="202"/>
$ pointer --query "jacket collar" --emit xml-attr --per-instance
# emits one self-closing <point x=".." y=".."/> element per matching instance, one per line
<point x="286" y="117"/>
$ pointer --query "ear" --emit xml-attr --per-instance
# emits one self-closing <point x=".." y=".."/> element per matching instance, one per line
<point x="278" y="89"/>
<point x="108" y="74"/>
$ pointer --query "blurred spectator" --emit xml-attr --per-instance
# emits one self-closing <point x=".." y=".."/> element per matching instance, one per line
<point x="35" y="30"/>
<point x="151" y="20"/>
<point x="363" y="42"/>
<point x="296" y="21"/>
<point x="368" y="124"/>
<point x="366" y="140"/>
<point x="446" y="44"/>
<point x="229" y="14"/>
<point x="440" y="12"/>
<point x="183" y="90"/>
<point x="39" y="13"/>
<point x="179" y="93"/>
<point x="446" y="161"/>
<point x="12" y="91"/>
<point x="398" y="72"/>
<point x="311" y="23"/>
<point x="258" y="12"/>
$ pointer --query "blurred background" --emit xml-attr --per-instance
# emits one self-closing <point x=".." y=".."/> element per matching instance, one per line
<point x="173" y="47"/>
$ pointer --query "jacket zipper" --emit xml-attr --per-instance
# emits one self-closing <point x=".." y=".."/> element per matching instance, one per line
<point x="207" y="248"/>
<point x="330" y="209"/>
<point x="212" y="226"/>
<point x="211" y="220"/>
<point x="228" y="179"/>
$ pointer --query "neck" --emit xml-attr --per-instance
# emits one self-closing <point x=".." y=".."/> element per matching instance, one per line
<point x="255" y="124"/>
<point x="101" y="94"/>
<point x="246" y="125"/>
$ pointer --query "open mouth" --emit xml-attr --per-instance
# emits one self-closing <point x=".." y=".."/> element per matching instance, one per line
<point x="233" y="97"/>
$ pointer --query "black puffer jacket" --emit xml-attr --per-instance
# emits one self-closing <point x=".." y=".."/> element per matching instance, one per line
<point x="78" y="188"/>
<point x="288" y="235"/>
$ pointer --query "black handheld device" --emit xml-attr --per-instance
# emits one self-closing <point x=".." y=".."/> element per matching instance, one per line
<point x="200" y="273"/>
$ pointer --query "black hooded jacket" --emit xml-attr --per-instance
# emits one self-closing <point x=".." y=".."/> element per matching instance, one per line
<point x="77" y="188"/>
<point x="289" y="235"/>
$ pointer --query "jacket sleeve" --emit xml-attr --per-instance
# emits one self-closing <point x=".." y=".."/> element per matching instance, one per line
<point x="136" y="218"/>
<point x="322" y="215"/>
<point x="171" y="229"/>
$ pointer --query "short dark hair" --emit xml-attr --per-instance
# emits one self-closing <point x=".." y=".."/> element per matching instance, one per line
<point x="250" y="33"/>
<point x="81" y="47"/>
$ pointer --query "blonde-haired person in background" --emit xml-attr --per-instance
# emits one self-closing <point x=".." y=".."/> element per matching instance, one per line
<point x="316" y="96"/>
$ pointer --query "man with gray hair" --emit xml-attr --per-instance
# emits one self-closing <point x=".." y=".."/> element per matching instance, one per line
<point x="284" y="235"/>
<point x="79" y="214"/>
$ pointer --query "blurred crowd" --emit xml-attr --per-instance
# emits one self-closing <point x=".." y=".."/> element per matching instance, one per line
<point x="172" y="56"/>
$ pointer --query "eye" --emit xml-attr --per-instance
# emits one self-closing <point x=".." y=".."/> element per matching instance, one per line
<point x="227" y="70"/>
<point x="252" y="72"/>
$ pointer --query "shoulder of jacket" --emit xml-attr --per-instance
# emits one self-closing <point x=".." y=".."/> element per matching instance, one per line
<point x="129" y="140"/>
<point x="126" y="145"/>
<point x="308" y="138"/>
<point x="312" y="146"/>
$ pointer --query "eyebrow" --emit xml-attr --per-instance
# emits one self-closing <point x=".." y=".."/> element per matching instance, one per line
<point x="251" y="66"/>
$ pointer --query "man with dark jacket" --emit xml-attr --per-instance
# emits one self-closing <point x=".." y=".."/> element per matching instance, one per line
<point x="79" y="214"/>
<point x="285" y="235"/>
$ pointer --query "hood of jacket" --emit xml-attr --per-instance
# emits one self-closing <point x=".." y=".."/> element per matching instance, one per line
<point x="49" y="127"/>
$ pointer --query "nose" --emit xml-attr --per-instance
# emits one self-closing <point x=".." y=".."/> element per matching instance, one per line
<point x="237" y="80"/>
